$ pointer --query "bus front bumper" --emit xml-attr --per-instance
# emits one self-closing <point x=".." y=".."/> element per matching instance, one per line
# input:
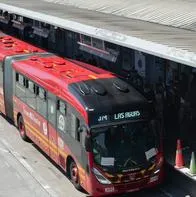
<point x="113" y="189"/>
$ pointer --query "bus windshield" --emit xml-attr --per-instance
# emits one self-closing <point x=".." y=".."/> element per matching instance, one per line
<point x="125" y="147"/>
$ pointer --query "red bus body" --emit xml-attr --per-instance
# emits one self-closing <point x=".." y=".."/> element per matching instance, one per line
<point x="50" y="84"/>
<point x="10" y="46"/>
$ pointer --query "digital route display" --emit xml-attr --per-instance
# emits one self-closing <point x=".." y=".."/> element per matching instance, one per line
<point x="117" y="117"/>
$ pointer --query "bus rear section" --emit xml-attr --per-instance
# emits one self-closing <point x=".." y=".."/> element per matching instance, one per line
<point x="10" y="47"/>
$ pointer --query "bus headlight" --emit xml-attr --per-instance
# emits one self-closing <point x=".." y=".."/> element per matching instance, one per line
<point x="100" y="177"/>
<point x="156" y="171"/>
<point x="158" y="166"/>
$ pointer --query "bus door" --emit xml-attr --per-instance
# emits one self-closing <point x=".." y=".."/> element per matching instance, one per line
<point x="52" y="134"/>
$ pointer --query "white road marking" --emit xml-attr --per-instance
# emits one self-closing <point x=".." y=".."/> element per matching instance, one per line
<point x="46" y="186"/>
<point x="20" y="159"/>
<point x="4" y="150"/>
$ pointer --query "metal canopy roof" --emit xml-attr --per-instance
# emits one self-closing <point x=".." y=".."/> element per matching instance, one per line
<point x="168" y="42"/>
<point x="176" y="13"/>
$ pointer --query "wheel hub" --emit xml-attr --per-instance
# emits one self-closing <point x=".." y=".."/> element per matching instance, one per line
<point x="74" y="174"/>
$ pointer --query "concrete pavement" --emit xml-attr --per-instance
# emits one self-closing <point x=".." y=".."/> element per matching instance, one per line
<point x="15" y="179"/>
<point x="26" y="172"/>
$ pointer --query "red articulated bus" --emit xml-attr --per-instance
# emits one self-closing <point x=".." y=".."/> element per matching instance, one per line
<point x="97" y="128"/>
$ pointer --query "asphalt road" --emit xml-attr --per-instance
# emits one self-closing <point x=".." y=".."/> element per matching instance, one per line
<point x="27" y="172"/>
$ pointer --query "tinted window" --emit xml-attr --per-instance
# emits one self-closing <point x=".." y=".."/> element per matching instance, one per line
<point x="21" y="80"/>
<point x="61" y="116"/>
<point x="85" y="40"/>
<point x="73" y="126"/>
<point x="30" y="94"/>
<point x="62" y="107"/>
<point x="41" y="102"/>
<point x="31" y="86"/>
<point x="52" y="109"/>
<point x="20" y="87"/>
<point x="97" y="43"/>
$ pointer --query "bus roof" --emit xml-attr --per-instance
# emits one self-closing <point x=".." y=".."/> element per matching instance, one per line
<point x="90" y="90"/>
<point x="10" y="46"/>
<point x="108" y="100"/>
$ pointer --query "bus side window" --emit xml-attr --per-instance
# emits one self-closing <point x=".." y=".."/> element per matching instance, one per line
<point x="62" y="107"/>
<point x="20" y="87"/>
<point x="61" y="116"/>
<point x="30" y="94"/>
<point x="1" y="74"/>
<point x="21" y="80"/>
<point x="52" y="109"/>
<point x="73" y="126"/>
<point x="41" y="101"/>
<point x="17" y="77"/>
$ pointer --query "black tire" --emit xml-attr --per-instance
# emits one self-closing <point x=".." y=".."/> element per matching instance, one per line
<point x="74" y="175"/>
<point x="21" y="128"/>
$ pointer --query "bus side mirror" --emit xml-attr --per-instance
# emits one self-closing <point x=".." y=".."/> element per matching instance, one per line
<point x="87" y="143"/>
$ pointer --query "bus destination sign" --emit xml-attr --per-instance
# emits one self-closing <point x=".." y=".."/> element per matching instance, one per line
<point x="119" y="116"/>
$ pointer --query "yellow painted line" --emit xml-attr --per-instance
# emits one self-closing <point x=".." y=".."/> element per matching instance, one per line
<point x="30" y="130"/>
<point x="82" y="170"/>
<point x="37" y="131"/>
<point x="53" y="146"/>
<point x="55" y="149"/>
<point x="92" y="76"/>
<point x="45" y="143"/>
<point x="44" y="138"/>
<point x="62" y="153"/>
<point x="82" y="176"/>
<point x="40" y="137"/>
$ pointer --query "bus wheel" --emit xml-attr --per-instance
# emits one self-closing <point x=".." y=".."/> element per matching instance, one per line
<point x="74" y="175"/>
<point x="21" y="128"/>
